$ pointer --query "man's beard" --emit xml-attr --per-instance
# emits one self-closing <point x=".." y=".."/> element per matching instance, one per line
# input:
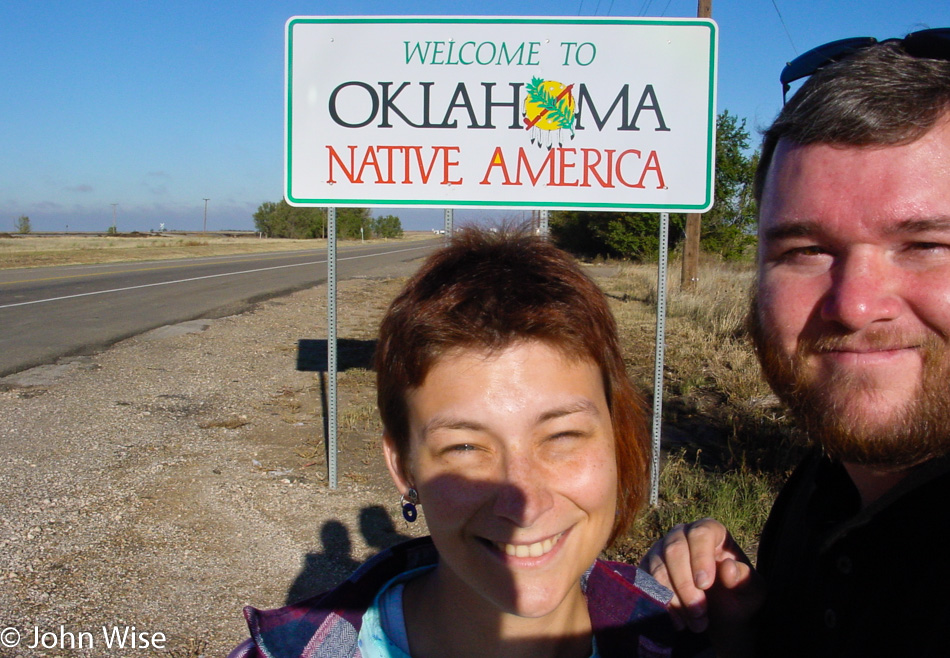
<point x="913" y="434"/>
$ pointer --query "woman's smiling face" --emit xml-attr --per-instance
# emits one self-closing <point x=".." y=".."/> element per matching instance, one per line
<point x="513" y="457"/>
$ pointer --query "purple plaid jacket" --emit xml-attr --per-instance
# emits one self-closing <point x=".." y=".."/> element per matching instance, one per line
<point x="627" y="609"/>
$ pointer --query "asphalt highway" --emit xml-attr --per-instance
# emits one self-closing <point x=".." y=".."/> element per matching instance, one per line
<point x="52" y="312"/>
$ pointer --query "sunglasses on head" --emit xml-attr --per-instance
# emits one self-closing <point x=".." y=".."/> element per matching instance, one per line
<point x="926" y="44"/>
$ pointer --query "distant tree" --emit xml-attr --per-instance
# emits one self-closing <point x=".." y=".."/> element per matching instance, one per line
<point x="387" y="226"/>
<point x="349" y="221"/>
<point x="23" y="225"/>
<point x="728" y="229"/>
<point x="265" y="217"/>
<point x="638" y="233"/>
<point x="633" y="235"/>
<point x="112" y="231"/>
<point x="281" y="220"/>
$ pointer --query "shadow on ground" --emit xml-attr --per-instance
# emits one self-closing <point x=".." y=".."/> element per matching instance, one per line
<point x="325" y="569"/>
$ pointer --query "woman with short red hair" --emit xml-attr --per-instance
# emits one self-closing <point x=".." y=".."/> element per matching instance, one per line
<point x="509" y="419"/>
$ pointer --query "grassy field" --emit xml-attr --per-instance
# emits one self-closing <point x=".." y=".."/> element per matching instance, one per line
<point x="736" y="443"/>
<point x="43" y="250"/>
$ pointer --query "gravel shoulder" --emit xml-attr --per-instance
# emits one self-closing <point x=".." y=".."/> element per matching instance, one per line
<point x="180" y="475"/>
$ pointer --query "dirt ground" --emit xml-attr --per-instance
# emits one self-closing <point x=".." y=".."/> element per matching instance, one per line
<point x="181" y="475"/>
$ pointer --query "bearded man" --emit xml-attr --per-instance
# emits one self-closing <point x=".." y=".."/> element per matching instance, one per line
<point x="851" y="322"/>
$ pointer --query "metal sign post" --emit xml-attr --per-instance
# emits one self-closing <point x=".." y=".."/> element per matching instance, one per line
<point x="331" y="347"/>
<point x="449" y="224"/>
<point x="658" y="360"/>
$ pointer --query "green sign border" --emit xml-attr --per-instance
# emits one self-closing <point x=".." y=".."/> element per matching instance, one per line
<point x="442" y="203"/>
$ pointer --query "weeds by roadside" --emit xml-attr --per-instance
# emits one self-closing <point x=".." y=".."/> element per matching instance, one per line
<point x="731" y="444"/>
<point x="740" y="498"/>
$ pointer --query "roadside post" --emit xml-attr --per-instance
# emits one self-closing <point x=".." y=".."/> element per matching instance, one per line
<point x="656" y="427"/>
<point x="541" y="113"/>
<point x="332" y="360"/>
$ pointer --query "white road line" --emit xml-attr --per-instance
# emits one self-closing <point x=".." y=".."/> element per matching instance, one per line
<point x="199" y="278"/>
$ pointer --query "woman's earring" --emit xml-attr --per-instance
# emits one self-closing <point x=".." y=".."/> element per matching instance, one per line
<point x="409" y="502"/>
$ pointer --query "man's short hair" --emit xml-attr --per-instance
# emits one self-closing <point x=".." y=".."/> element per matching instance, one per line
<point x="878" y="96"/>
<point x="487" y="290"/>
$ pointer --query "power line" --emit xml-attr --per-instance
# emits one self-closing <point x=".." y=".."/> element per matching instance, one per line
<point x="784" y="27"/>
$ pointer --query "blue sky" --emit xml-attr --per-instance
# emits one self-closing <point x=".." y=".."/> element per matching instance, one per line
<point x="156" y="105"/>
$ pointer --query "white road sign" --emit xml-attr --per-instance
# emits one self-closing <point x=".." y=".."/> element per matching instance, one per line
<point x="556" y="113"/>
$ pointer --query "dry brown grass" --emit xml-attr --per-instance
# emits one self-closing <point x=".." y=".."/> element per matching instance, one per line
<point x="736" y="443"/>
<point x="40" y="250"/>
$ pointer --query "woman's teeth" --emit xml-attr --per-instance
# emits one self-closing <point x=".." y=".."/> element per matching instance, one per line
<point x="536" y="549"/>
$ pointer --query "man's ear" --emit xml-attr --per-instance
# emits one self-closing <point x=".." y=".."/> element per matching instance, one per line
<point x="396" y="468"/>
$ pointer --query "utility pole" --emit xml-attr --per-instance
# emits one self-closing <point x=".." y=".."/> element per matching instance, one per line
<point x="114" y="229"/>
<point x="690" y="274"/>
<point x="204" y="228"/>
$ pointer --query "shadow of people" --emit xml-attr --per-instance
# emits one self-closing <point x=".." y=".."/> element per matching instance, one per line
<point x="378" y="529"/>
<point x="321" y="571"/>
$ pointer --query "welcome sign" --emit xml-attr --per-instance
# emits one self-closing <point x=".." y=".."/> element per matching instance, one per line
<point x="556" y="113"/>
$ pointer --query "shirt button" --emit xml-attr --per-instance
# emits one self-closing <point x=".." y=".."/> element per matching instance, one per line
<point x="844" y="564"/>
<point x="831" y="619"/>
